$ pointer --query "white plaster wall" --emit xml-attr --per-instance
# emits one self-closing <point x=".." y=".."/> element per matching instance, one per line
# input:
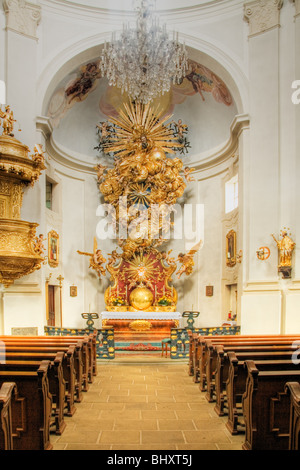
<point x="261" y="313"/>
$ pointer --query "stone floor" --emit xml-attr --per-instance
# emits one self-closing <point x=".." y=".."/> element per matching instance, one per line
<point x="145" y="406"/>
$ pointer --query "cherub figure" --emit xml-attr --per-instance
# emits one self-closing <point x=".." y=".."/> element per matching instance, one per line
<point x="187" y="172"/>
<point x="38" y="245"/>
<point x="100" y="171"/>
<point x="187" y="261"/>
<point x="7" y="121"/>
<point x="180" y="128"/>
<point x="104" y="129"/>
<point x="96" y="259"/>
<point x="39" y="155"/>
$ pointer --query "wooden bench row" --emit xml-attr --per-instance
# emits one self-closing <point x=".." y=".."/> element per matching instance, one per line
<point x="41" y="379"/>
<point x="255" y="382"/>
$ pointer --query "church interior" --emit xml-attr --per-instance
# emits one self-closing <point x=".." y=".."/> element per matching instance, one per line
<point x="149" y="230"/>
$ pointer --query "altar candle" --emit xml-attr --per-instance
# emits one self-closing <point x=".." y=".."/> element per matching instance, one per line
<point x="164" y="291"/>
<point x="155" y="292"/>
<point x="118" y="290"/>
<point x="126" y="292"/>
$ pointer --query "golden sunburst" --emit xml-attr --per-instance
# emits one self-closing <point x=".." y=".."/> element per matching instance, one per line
<point x="141" y="268"/>
<point x="141" y="129"/>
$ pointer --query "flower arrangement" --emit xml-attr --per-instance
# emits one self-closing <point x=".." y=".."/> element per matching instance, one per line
<point x="164" y="301"/>
<point x="117" y="301"/>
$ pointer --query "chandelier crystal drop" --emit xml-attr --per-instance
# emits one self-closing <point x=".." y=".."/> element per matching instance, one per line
<point x="144" y="61"/>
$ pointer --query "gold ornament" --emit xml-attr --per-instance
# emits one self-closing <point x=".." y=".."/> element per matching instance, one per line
<point x="141" y="297"/>
<point x="21" y="252"/>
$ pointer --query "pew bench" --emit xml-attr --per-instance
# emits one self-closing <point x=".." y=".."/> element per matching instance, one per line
<point x="266" y="408"/>
<point x="74" y="349"/>
<point x="31" y="410"/>
<point x="7" y="393"/>
<point x="293" y="390"/>
<point x="68" y="371"/>
<point x="215" y="350"/>
<point x="237" y="377"/>
<point x="56" y="383"/>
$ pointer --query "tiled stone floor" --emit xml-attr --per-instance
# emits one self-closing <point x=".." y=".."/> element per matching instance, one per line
<point x="144" y="406"/>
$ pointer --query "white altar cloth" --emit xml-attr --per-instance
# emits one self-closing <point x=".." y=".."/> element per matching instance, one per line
<point x="140" y="315"/>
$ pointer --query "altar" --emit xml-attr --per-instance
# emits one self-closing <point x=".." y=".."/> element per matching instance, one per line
<point x="158" y="323"/>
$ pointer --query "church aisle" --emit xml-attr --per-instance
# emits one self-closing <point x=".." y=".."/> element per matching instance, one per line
<point x="145" y="406"/>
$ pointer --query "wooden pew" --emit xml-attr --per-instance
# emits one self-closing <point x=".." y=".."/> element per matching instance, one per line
<point x="42" y="348"/>
<point x="67" y="370"/>
<point x="89" y="351"/>
<point x="206" y="343"/>
<point x="266" y="408"/>
<point x="57" y="385"/>
<point x="31" y="411"/>
<point x="237" y="376"/>
<point x="7" y="392"/>
<point x="293" y="390"/>
<point x="247" y="345"/>
<point x="222" y="365"/>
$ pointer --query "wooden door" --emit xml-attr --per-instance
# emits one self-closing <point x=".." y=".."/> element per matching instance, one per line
<point x="51" y="305"/>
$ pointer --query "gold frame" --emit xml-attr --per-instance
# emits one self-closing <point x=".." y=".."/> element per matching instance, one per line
<point x="73" y="291"/>
<point x="53" y="235"/>
<point x="231" y="248"/>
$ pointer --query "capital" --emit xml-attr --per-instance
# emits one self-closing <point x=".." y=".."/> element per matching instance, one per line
<point x="22" y="17"/>
<point x="262" y="15"/>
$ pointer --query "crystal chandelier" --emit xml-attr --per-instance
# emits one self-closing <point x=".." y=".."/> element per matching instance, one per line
<point x="144" y="62"/>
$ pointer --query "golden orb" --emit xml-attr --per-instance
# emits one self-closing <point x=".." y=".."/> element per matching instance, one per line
<point x="157" y="154"/>
<point x="140" y="298"/>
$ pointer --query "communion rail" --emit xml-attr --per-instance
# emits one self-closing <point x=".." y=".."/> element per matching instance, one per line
<point x="105" y="341"/>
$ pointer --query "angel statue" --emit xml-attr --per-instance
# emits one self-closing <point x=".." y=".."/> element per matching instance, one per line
<point x="39" y="245"/>
<point x="8" y="120"/>
<point x="39" y="154"/>
<point x="96" y="259"/>
<point x="187" y="260"/>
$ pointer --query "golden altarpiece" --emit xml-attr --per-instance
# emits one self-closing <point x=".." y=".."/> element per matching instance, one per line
<point x="141" y="296"/>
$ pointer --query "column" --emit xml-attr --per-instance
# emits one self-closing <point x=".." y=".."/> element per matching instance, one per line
<point x="261" y="297"/>
<point x="23" y="304"/>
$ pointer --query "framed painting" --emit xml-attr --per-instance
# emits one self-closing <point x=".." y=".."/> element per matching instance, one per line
<point x="231" y="248"/>
<point x="53" y="249"/>
<point x="73" y="291"/>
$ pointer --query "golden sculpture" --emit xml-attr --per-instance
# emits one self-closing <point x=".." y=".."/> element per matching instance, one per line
<point x="7" y="121"/>
<point x="21" y="252"/>
<point x="187" y="261"/>
<point x="285" y="250"/>
<point x="96" y="259"/>
<point x="143" y="176"/>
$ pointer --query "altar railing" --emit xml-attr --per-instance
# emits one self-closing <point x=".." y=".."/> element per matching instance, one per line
<point x="180" y="338"/>
<point x="105" y="341"/>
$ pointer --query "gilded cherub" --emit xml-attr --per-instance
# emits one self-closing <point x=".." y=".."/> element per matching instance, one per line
<point x="100" y="171"/>
<point x="187" y="260"/>
<point x="39" y="245"/>
<point x="39" y="155"/>
<point x="187" y="172"/>
<point x="96" y="259"/>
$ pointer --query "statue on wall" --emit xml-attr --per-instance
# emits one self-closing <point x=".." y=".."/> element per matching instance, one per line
<point x="285" y="250"/>
<point x="8" y="121"/>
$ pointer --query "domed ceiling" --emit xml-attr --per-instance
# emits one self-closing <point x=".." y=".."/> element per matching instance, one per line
<point x="83" y="99"/>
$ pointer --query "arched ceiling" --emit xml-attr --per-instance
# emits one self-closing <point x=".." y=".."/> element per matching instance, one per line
<point x="83" y="99"/>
